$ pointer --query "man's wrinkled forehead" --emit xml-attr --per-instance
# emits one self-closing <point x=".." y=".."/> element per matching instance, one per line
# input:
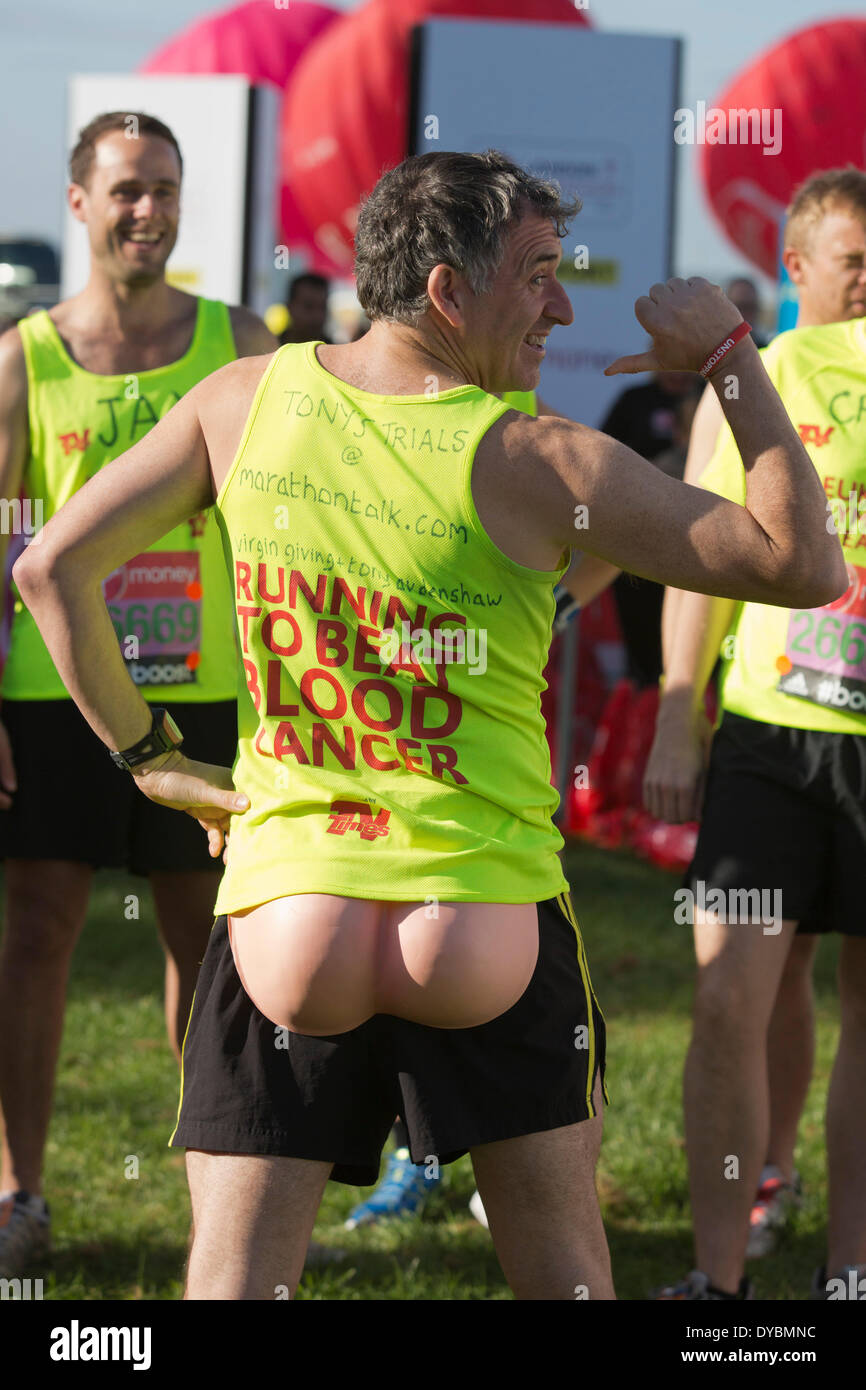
<point x="532" y="243"/>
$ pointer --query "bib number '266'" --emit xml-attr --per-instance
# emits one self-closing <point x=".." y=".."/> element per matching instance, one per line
<point x="825" y="651"/>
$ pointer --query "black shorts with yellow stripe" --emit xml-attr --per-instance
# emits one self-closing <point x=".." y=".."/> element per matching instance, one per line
<point x="249" y="1087"/>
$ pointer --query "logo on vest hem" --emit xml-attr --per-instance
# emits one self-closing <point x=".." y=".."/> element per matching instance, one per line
<point x="342" y="817"/>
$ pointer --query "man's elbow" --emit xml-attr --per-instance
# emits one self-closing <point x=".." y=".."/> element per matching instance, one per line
<point x="34" y="567"/>
<point x="814" y="586"/>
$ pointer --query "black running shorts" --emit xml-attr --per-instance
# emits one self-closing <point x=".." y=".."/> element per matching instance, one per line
<point x="73" y="803"/>
<point x="786" y="809"/>
<point x="249" y="1087"/>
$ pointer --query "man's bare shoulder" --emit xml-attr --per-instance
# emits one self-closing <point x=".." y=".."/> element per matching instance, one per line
<point x="222" y="403"/>
<point x="223" y="400"/>
<point x="13" y="367"/>
<point x="546" y="441"/>
<point x="11" y="346"/>
<point x="529" y="469"/>
<point x="252" y="336"/>
<point x="231" y="387"/>
<point x="65" y="313"/>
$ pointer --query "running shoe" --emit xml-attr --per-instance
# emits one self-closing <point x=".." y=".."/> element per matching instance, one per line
<point x="696" y="1288"/>
<point x="402" y="1191"/>
<point x="775" y="1201"/>
<point x="853" y="1279"/>
<point x="25" y="1232"/>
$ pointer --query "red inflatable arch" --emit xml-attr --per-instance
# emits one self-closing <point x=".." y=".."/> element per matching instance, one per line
<point x="817" y="79"/>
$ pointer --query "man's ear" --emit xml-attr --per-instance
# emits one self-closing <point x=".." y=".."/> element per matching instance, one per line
<point x="448" y="291"/>
<point x="792" y="260"/>
<point x="75" y="198"/>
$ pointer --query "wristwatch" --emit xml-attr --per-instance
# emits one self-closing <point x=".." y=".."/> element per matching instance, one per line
<point x="164" y="735"/>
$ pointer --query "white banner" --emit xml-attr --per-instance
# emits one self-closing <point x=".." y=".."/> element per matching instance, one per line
<point x="595" y="112"/>
<point x="227" y="136"/>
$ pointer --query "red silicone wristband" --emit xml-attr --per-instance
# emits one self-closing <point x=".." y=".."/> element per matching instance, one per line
<point x="724" y="347"/>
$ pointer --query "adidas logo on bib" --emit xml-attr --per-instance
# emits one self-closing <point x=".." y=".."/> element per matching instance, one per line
<point x="796" y="685"/>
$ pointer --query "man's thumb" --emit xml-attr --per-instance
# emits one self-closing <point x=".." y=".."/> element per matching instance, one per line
<point x="228" y="797"/>
<point x="639" y="362"/>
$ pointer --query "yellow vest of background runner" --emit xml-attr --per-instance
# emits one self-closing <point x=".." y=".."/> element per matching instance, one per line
<point x="806" y="668"/>
<point x="174" y="601"/>
<point x="391" y="739"/>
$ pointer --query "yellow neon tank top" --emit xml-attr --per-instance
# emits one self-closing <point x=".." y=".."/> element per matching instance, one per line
<point x="806" y="668"/>
<point x="391" y="739"/>
<point x="174" y="601"/>
<point x="525" y="401"/>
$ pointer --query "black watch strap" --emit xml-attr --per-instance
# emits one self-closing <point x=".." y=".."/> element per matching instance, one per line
<point x="163" y="736"/>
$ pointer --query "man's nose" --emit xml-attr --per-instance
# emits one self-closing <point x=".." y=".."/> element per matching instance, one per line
<point x="559" y="305"/>
<point x="144" y="205"/>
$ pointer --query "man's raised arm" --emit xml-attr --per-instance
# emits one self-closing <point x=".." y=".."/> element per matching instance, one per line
<point x="706" y="427"/>
<point x="693" y="626"/>
<point x="587" y="576"/>
<point x="599" y="496"/>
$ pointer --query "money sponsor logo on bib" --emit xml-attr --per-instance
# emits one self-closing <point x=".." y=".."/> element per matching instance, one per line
<point x="156" y="598"/>
<point x="825" y="651"/>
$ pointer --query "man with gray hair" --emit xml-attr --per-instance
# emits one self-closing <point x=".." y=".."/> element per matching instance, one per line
<point x="395" y="930"/>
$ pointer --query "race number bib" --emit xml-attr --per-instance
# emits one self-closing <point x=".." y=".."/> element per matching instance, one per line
<point x="825" y="651"/>
<point x="154" y="602"/>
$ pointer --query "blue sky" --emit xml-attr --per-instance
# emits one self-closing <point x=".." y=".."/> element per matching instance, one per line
<point x="47" y="41"/>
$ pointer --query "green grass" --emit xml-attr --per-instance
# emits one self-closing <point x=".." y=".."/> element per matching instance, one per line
<point x="120" y="1237"/>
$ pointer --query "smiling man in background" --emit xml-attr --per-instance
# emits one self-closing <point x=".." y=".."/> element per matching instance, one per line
<point x="80" y="384"/>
